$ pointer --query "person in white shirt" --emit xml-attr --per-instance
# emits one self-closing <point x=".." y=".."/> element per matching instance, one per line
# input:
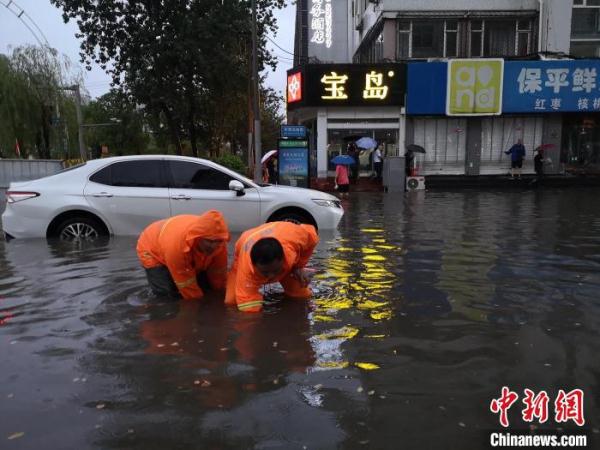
<point x="378" y="162"/>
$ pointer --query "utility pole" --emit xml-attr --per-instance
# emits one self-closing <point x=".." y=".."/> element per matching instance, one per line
<point x="75" y="89"/>
<point x="257" y="134"/>
<point x="82" y="151"/>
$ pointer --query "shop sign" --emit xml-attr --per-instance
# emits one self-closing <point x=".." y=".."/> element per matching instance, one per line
<point x="474" y="87"/>
<point x="294" y="87"/>
<point x="552" y="86"/>
<point x="350" y="85"/>
<point x="293" y="163"/>
<point x="293" y="131"/>
<point x="426" y="88"/>
<point x="321" y="22"/>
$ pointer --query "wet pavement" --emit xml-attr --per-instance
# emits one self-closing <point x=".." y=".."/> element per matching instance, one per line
<point x="425" y="306"/>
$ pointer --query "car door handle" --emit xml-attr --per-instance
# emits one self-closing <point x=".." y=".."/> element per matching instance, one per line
<point x="101" y="194"/>
<point x="181" y="197"/>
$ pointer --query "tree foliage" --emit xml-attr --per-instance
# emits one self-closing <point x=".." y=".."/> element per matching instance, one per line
<point x="185" y="61"/>
<point x="33" y="108"/>
<point x="120" y="125"/>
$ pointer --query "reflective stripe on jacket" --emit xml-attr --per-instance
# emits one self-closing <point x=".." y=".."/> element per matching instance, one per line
<point x="298" y="242"/>
<point x="173" y="243"/>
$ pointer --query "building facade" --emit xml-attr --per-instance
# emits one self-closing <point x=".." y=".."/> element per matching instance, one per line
<point x="421" y="38"/>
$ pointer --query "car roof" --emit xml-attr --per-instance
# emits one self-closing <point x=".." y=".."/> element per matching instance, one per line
<point x="136" y="157"/>
<point x="96" y="163"/>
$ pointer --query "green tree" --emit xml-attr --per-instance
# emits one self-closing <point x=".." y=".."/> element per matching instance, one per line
<point x="185" y="61"/>
<point x="31" y="100"/>
<point x="125" y="134"/>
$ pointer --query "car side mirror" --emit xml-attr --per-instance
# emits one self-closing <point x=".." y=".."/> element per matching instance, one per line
<point x="237" y="187"/>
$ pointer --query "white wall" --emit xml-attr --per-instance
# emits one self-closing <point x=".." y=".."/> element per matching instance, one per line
<point x="556" y="20"/>
<point x="556" y="25"/>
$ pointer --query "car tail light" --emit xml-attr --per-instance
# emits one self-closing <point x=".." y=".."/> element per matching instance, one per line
<point x="17" y="196"/>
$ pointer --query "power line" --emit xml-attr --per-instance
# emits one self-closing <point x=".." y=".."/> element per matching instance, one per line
<point x="277" y="45"/>
<point x="283" y="58"/>
<point x="19" y="13"/>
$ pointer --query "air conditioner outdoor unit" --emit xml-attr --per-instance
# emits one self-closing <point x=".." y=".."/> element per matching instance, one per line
<point x="415" y="183"/>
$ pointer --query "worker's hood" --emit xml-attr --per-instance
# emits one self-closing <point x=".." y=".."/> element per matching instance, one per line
<point x="210" y="225"/>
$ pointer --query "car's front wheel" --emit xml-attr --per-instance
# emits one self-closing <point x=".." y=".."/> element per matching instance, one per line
<point x="292" y="215"/>
<point x="79" y="229"/>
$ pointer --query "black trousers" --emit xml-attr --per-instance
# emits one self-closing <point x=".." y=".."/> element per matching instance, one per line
<point x="162" y="284"/>
<point x="378" y="169"/>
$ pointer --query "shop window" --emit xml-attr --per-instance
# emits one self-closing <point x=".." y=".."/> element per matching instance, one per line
<point x="338" y="140"/>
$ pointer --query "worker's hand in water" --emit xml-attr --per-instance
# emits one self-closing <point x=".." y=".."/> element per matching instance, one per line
<point x="303" y="276"/>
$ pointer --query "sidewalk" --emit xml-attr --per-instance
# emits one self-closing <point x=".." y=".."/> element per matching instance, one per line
<point x="433" y="182"/>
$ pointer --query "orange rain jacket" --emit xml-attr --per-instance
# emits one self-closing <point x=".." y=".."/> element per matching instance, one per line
<point x="244" y="282"/>
<point x="172" y="243"/>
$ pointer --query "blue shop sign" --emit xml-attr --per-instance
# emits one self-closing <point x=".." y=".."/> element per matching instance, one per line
<point x="293" y="163"/>
<point x="426" y="91"/>
<point x="293" y="131"/>
<point x="551" y="86"/>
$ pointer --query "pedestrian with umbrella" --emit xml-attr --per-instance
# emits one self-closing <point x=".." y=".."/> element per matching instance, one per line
<point x="269" y="171"/>
<point x="352" y="152"/>
<point x="342" y="179"/>
<point x="409" y="156"/>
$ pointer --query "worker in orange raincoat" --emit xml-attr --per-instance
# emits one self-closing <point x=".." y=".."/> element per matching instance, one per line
<point x="184" y="252"/>
<point x="273" y="252"/>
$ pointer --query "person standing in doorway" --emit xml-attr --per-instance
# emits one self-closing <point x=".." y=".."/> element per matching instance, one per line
<point x="352" y="151"/>
<point x="517" y="154"/>
<point x="538" y="164"/>
<point x="378" y="163"/>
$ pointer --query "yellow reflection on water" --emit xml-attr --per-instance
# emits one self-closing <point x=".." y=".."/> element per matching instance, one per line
<point x="366" y="366"/>
<point x="358" y="279"/>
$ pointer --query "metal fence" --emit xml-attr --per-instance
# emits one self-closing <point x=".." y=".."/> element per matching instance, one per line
<point x="26" y="169"/>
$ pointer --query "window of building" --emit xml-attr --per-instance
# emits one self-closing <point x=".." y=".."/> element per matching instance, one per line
<point x="500" y="37"/>
<point x="585" y="29"/>
<point x="585" y="23"/>
<point x="372" y="51"/>
<point x="586" y="2"/>
<point x="427" y="39"/>
<point x="440" y="38"/>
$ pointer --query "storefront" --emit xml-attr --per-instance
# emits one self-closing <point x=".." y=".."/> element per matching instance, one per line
<point x="465" y="113"/>
<point x="467" y="116"/>
<point x="340" y="103"/>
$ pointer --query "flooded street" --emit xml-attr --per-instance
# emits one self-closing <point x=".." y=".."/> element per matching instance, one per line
<point x="424" y="307"/>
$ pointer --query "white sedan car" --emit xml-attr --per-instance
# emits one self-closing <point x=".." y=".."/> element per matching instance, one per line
<point x="122" y="195"/>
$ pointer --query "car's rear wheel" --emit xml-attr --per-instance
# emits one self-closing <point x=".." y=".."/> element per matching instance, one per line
<point x="79" y="229"/>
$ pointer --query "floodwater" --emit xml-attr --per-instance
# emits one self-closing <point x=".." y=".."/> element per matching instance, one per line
<point x="424" y="307"/>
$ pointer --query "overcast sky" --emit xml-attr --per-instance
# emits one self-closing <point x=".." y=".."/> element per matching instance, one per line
<point x="62" y="37"/>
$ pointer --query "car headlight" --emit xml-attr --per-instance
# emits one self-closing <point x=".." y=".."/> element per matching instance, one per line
<point x="328" y="203"/>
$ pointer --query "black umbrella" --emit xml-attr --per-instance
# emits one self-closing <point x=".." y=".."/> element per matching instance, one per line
<point x="415" y="148"/>
<point x="352" y="138"/>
